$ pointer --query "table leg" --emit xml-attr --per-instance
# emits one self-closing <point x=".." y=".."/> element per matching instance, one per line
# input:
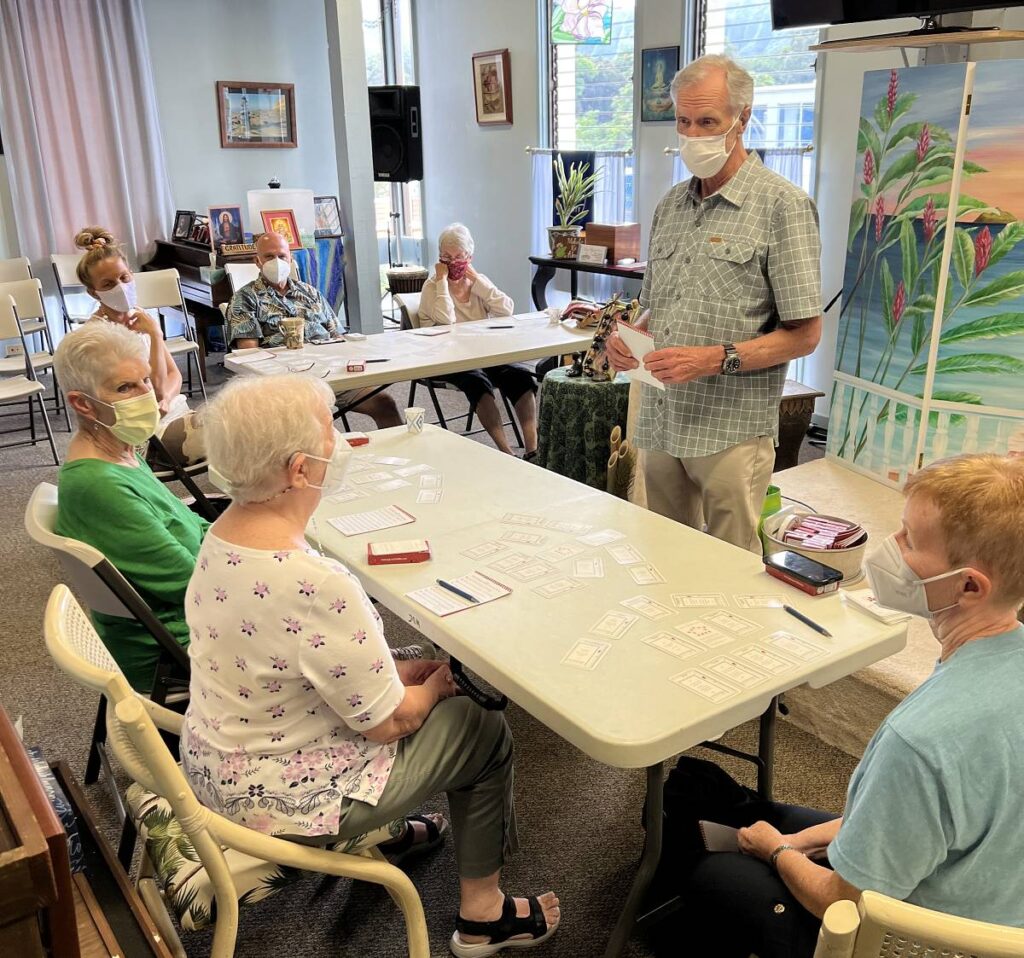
<point x="648" y="864"/>
<point x="766" y="750"/>
<point x="574" y="283"/>
<point x="538" y="288"/>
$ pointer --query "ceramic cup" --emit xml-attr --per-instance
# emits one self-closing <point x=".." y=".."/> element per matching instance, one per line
<point x="414" y="417"/>
<point x="554" y="315"/>
<point x="293" y="329"/>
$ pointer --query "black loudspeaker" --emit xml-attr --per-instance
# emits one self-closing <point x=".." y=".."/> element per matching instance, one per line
<point x="395" y="134"/>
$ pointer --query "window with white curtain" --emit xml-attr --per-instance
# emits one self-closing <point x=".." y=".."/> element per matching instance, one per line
<point x="783" y="71"/>
<point x="591" y="86"/>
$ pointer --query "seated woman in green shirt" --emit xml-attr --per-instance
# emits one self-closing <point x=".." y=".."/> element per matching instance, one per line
<point x="110" y="499"/>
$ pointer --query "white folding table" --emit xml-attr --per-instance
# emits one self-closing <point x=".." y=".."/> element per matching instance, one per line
<point x="627" y="712"/>
<point x="402" y="355"/>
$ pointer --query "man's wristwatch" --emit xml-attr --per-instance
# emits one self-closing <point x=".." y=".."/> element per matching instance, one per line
<point x="774" y="857"/>
<point x="731" y="364"/>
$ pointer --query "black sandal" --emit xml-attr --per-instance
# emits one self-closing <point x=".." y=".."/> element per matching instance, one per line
<point x="407" y="846"/>
<point x="502" y="931"/>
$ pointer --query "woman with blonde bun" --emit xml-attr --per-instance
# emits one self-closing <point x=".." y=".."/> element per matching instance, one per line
<point x="106" y="276"/>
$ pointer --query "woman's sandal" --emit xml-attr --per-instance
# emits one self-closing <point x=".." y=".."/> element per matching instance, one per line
<point x="501" y="932"/>
<point x="407" y="847"/>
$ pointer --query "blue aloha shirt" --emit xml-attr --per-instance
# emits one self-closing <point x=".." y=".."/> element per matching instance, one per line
<point x="257" y="309"/>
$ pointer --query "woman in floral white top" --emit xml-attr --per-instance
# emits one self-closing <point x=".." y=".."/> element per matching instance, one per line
<point x="301" y="723"/>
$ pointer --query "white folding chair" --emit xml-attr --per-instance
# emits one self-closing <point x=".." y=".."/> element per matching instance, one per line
<point x="880" y="927"/>
<point x="105" y="590"/>
<point x="13" y="270"/>
<point x="409" y="305"/>
<point x="193" y="853"/>
<point x="242" y="274"/>
<point x="65" y="272"/>
<point x="160" y="289"/>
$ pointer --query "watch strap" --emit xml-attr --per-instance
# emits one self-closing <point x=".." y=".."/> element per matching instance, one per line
<point x="774" y="857"/>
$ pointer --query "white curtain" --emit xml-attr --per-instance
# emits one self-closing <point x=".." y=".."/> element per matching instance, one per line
<point x="679" y="170"/>
<point x="80" y="125"/>
<point x="788" y="163"/>
<point x="609" y="207"/>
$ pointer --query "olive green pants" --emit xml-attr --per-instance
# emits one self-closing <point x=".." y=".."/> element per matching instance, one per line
<point x="465" y="751"/>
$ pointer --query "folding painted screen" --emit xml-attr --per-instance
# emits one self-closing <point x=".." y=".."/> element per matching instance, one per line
<point x="931" y="334"/>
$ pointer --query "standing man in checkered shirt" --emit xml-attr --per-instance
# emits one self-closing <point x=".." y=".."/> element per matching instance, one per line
<point x="731" y="294"/>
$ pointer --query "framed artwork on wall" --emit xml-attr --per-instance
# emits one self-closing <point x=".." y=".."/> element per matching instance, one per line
<point x="283" y="222"/>
<point x="658" y="66"/>
<point x="326" y="217"/>
<point x="226" y="224"/>
<point x="256" y="114"/>
<point x="492" y="87"/>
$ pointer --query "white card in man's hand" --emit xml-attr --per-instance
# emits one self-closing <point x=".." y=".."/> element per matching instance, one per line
<point x="719" y="838"/>
<point x="639" y="343"/>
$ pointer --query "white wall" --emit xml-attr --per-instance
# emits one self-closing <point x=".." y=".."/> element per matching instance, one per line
<point x="479" y="175"/>
<point x="193" y="44"/>
<point x="659" y="24"/>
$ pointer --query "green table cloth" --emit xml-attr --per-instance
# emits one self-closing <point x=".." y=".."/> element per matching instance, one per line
<point x="576" y="418"/>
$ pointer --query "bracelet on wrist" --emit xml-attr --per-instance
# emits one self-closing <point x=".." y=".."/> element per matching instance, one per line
<point x="774" y="857"/>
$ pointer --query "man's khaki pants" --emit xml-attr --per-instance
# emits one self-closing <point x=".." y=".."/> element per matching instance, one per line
<point x="725" y="491"/>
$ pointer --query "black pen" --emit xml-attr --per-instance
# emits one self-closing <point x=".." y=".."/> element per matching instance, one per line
<point x="504" y="326"/>
<point x="810" y="623"/>
<point x="457" y="591"/>
<point x="384" y="359"/>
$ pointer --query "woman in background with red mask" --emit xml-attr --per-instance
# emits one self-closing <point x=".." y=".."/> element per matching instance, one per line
<point x="457" y="293"/>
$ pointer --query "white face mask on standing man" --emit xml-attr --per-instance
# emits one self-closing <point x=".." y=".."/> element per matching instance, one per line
<point x="705" y="156"/>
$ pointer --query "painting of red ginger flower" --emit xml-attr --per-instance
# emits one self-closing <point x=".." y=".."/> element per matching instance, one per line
<point x="924" y="142"/>
<point x="899" y="303"/>
<point x="869" y="167"/>
<point x="879" y="217"/>
<point x="929" y="220"/>
<point x="982" y="249"/>
<point x="894" y="87"/>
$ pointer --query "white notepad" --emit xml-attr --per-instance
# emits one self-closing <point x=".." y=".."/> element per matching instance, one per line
<point x="443" y="602"/>
<point x="639" y="344"/>
<point x="360" y="522"/>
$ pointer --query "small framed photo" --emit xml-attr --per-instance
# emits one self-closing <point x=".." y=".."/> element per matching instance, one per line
<point x="200" y="232"/>
<point x="592" y="254"/>
<point x="226" y="224"/>
<point x="182" y="224"/>
<point x="658" y="67"/>
<point x="326" y="217"/>
<point x="256" y="114"/>
<point x="492" y="87"/>
<point x="283" y="222"/>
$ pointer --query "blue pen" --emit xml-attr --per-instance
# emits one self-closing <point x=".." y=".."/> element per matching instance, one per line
<point x="457" y="591"/>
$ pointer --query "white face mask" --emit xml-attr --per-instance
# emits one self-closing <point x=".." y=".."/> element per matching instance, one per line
<point x="121" y="299"/>
<point x="276" y="270"/>
<point x="135" y="420"/>
<point x="337" y="466"/>
<point x="705" y="156"/>
<point x="896" y="585"/>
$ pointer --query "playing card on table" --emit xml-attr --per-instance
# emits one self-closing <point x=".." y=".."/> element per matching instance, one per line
<point x="697" y="600"/>
<point x="573" y="528"/>
<point x="431" y="481"/>
<point x="586" y="654"/>
<point x="613" y="625"/>
<point x="706" y="685"/>
<point x="588" y="568"/>
<point x="743" y="674"/>
<point x="390" y="485"/>
<point x="483" y="550"/>
<point x="603" y="537"/>
<point x="507" y="563"/>
<point x="557" y="587"/>
<point x="623" y="553"/>
<point x="558" y="553"/>
<point x="801" y="649"/>
<point x="673" y="645"/>
<point x="645" y="574"/>
<point x="430" y="496"/>
<point x="732" y="622"/>
<point x="646" y="607"/>
<point x="526" y="538"/>
<point x="764" y="658"/>
<point x="752" y="601"/>
<point x="521" y="519"/>
<point x="530" y="571"/>
<point x="706" y="634"/>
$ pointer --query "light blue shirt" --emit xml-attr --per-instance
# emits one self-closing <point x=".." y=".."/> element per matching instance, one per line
<point x="935" y="810"/>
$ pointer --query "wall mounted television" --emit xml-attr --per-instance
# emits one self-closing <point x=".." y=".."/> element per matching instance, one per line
<point x="803" y="13"/>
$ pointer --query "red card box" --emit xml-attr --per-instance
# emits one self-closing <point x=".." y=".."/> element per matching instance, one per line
<point x="404" y="557"/>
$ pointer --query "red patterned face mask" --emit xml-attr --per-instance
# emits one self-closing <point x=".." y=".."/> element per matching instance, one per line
<point x="457" y="269"/>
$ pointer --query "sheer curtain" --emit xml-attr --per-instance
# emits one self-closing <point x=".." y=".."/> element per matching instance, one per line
<point x="679" y="170"/>
<point x="788" y="163"/>
<point x="81" y="134"/>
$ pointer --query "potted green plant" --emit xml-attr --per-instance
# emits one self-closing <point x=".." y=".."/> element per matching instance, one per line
<point x="574" y="189"/>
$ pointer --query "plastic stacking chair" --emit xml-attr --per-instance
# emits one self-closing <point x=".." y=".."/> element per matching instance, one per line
<point x="241" y="274"/>
<point x="19" y="379"/>
<point x="409" y="304"/>
<point x="104" y="590"/>
<point x="204" y="864"/>
<point x="881" y="927"/>
<point x="13" y="270"/>
<point x="65" y="272"/>
<point x="158" y="290"/>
